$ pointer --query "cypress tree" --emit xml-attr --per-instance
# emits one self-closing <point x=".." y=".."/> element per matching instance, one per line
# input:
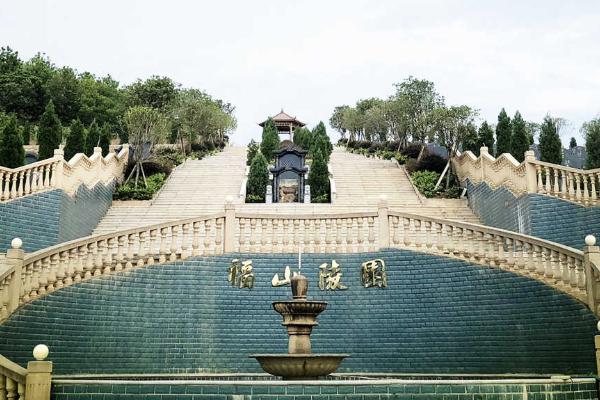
<point x="258" y="177"/>
<point x="486" y="137"/>
<point x="503" y="133"/>
<point x="50" y="132"/>
<point x="104" y="141"/>
<point x="12" y="153"/>
<point x="550" y="144"/>
<point x="520" y="139"/>
<point x="92" y="139"/>
<point x="318" y="177"/>
<point x="75" y="140"/>
<point x="252" y="150"/>
<point x="270" y="140"/>
<point x="572" y="143"/>
<point x="591" y="132"/>
<point x="27" y="128"/>
<point x="320" y="144"/>
<point x="320" y="131"/>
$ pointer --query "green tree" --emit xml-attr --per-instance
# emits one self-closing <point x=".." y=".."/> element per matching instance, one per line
<point x="503" y="133"/>
<point x="49" y="133"/>
<point x="572" y="143"/>
<point x="105" y="137"/>
<point x="486" y="137"/>
<point x="27" y="130"/>
<point x="102" y="101"/>
<point x="155" y="92"/>
<point x="258" y="177"/>
<point x="12" y="154"/>
<point x="318" y="177"/>
<point x="253" y="148"/>
<point x="270" y="140"/>
<point x="337" y="119"/>
<point x="550" y="145"/>
<point x="64" y="91"/>
<point x="591" y="132"/>
<point x="92" y="139"/>
<point x="76" y="140"/>
<point x="520" y="138"/>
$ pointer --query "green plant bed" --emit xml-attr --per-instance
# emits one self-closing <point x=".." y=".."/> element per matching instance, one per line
<point x="130" y="192"/>
<point x="425" y="181"/>
<point x="324" y="198"/>
<point x="253" y="198"/>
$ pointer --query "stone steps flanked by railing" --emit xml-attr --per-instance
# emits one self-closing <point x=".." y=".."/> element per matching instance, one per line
<point x="24" y="278"/>
<point x="530" y="176"/>
<point x="57" y="173"/>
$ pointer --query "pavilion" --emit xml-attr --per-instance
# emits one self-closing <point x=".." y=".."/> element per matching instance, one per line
<point x="285" y="123"/>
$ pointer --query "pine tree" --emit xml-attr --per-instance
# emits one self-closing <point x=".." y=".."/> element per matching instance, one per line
<point x="550" y="144"/>
<point x="320" y="132"/>
<point x="591" y="132"/>
<point x="318" y="177"/>
<point x="12" y="154"/>
<point x="27" y="128"/>
<point x="258" y="177"/>
<point x="75" y="140"/>
<point x="503" y="133"/>
<point x="270" y="140"/>
<point x="104" y="140"/>
<point x="572" y="143"/>
<point x="485" y="137"/>
<point x="50" y="132"/>
<point x="252" y="150"/>
<point x="92" y="139"/>
<point x="320" y="144"/>
<point x="520" y="139"/>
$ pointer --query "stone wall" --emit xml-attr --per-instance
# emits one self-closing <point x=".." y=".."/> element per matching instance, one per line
<point x="546" y="217"/>
<point x="437" y="315"/>
<point x="48" y="218"/>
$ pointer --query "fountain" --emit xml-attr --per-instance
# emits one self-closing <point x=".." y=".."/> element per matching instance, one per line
<point x="299" y="317"/>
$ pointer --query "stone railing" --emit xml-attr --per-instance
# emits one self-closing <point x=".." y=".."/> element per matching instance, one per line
<point x="56" y="173"/>
<point x="530" y="176"/>
<point x="24" y="278"/>
<point x="32" y="383"/>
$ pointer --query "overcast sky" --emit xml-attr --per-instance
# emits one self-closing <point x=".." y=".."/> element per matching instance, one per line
<point x="309" y="56"/>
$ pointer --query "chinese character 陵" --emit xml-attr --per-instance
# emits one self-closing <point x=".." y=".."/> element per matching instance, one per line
<point x="330" y="277"/>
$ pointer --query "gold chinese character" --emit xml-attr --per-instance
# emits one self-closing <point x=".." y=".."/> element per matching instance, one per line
<point x="240" y="274"/>
<point x="330" y="277"/>
<point x="287" y="275"/>
<point x="373" y="273"/>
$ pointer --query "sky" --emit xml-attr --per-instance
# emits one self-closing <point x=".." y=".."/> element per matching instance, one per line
<point x="309" y="56"/>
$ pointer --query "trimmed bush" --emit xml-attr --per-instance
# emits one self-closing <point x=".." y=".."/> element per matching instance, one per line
<point x="130" y="192"/>
<point x="425" y="181"/>
<point x="432" y="162"/>
<point x="412" y="150"/>
<point x="92" y="139"/>
<point x="12" y="154"/>
<point x="258" y="178"/>
<point x="75" y="140"/>
<point x="50" y="132"/>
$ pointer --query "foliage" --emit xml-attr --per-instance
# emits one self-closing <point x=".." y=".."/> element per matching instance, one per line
<point x="520" y="139"/>
<point x="572" y="143"/>
<point x="129" y="191"/>
<point x="65" y="92"/>
<point x="92" y="139"/>
<point x="432" y="162"/>
<point x="253" y="148"/>
<point x="485" y="135"/>
<point x="12" y="154"/>
<point x="50" y="133"/>
<point x="550" y="144"/>
<point x="452" y="125"/>
<point x="155" y="92"/>
<point x="172" y="155"/>
<point x="318" y="177"/>
<point x="270" y="140"/>
<point x="303" y="138"/>
<point x="591" y="132"/>
<point x="27" y="130"/>
<point x="76" y="140"/>
<point x="324" y="198"/>
<point x="425" y="181"/>
<point x="258" y="177"/>
<point x="255" y="198"/>
<point x="321" y="141"/>
<point x="503" y="133"/>
<point x="104" y="140"/>
<point x="337" y="119"/>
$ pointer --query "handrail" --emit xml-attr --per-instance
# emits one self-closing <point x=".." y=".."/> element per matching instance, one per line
<point x="32" y="383"/>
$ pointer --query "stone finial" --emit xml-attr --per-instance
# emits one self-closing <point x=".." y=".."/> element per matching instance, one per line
<point x="98" y="150"/>
<point x="16" y="243"/>
<point x="484" y="149"/>
<point x="383" y="200"/>
<point x="590" y="240"/>
<point x="59" y="151"/>
<point x="229" y="199"/>
<point x="40" y="352"/>
<point x="529" y="155"/>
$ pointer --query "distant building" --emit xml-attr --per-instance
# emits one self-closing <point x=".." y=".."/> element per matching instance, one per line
<point x="574" y="158"/>
<point x="285" y="123"/>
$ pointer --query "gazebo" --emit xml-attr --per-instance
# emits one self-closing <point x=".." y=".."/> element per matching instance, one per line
<point x="285" y="123"/>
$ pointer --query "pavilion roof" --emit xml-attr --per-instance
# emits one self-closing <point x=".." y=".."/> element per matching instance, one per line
<point x="284" y="117"/>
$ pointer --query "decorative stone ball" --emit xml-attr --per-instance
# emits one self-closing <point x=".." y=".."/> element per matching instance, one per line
<point x="383" y="197"/>
<point x="16" y="243"/>
<point x="590" y="240"/>
<point x="229" y="199"/>
<point x="598" y="326"/>
<point x="40" y="352"/>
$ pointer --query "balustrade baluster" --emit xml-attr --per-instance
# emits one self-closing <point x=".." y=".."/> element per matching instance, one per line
<point x="185" y="236"/>
<point x="503" y="258"/>
<point x="286" y="236"/>
<point x="349" y="235"/>
<point x="555" y="264"/>
<point x="306" y="239"/>
<point x="572" y="271"/>
<point x="428" y="241"/>
<point x="318" y="241"/>
<point x="580" y="274"/>
<point x="470" y="244"/>
<point x="264" y="235"/>
<point x="577" y="187"/>
<point x="313" y="228"/>
<point x="241" y="240"/>
<point x="360" y="239"/>
<point x="394" y="221"/>
<point x="547" y="265"/>
<point x="461" y="242"/>
<point x="89" y="260"/>
<point x="107" y="248"/>
<point x="120" y="256"/>
<point x="328" y="236"/>
<point x="593" y="188"/>
<point x="371" y="223"/>
<point x="297" y="235"/>
<point x="27" y="182"/>
<point x="208" y="230"/>
<point x="1" y="185"/>
<point x="3" y="311"/>
<point x="59" y="267"/>
<point x="163" y="246"/>
<point x="53" y="264"/>
<point x="586" y="195"/>
<point x="563" y="265"/>
<point x="571" y="186"/>
<point x="46" y="176"/>
<point x="451" y="231"/>
<point x="13" y="186"/>
<point x="406" y="232"/>
<point x="196" y="239"/>
<point x="21" y="391"/>
<point x="36" y="268"/>
<point x="520" y="260"/>
<point x="6" y="195"/>
<point x="20" y="183"/>
<point x="69" y="267"/>
<point x="141" y="249"/>
<point x="26" y="288"/>
<point x="153" y="248"/>
<point x="131" y="249"/>
<point x="418" y="238"/>
<point x="528" y="248"/>
<point x="174" y="243"/>
<point x="279" y="235"/>
<point x="99" y="258"/>
<point x="563" y="184"/>
<point x="540" y="183"/>
<point x="11" y="389"/>
<point x="548" y="180"/>
<point x="338" y="235"/>
<point x="556" y="188"/>
<point x="540" y="260"/>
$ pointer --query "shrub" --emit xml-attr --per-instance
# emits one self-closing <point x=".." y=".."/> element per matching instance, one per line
<point x="425" y="181"/>
<point x="318" y="177"/>
<point x="258" y="178"/>
<point x="252" y="150"/>
<point x="129" y="192"/>
<point x="270" y="140"/>
<point x="412" y="150"/>
<point x="411" y="165"/>
<point x="12" y="154"/>
<point x="342" y="142"/>
<point x="324" y="198"/>
<point x="50" y="132"/>
<point x="432" y="162"/>
<point x="92" y="139"/>
<point x="170" y="154"/>
<point x="254" y="198"/>
<point x="75" y="140"/>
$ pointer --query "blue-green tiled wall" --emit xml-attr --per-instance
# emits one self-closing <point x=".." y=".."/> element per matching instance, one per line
<point x="438" y="315"/>
<point x="52" y="217"/>
<point x="546" y="217"/>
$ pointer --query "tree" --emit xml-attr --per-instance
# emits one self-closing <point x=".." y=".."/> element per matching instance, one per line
<point x="303" y="138"/>
<point x="486" y="137"/>
<point x="50" y="132"/>
<point x="318" y="177"/>
<point x="320" y="140"/>
<point x="76" y="140"/>
<point x="27" y="128"/>
<point x="503" y="133"/>
<point x="64" y="91"/>
<point x="520" y="138"/>
<point x="452" y="125"/>
<point x="92" y="139"/>
<point x="270" y="140"/>
<point x="253" y="148"/>
<point x="105" y="137"/>
<point x="550" y="144"/>
<point x="147" y="127"/>
<point x="337" y="119"/>
<point x="591" y="132"/>
<point x="258" y="177"/>
<point x="155" y="92"/>
<point x="572" y="143"/>
<point x="12" y="154"/>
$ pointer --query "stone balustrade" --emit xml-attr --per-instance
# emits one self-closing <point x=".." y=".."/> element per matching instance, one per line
<point x="530" y="176"/>
<point x="57" y="173"/>
<point x="24" y="278"/>
<point x="32" y="383"/>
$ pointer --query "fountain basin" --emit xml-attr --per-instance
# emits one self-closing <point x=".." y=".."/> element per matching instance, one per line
<point x="297" y="307"/>
<point x="300" y="366"/>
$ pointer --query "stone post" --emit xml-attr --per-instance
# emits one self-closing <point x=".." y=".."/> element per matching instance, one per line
<point x="307" y="194"/>
<point x="39" y="375"/>
<point x="57" y="172"/>
<point x="269" y="195"/>
<point x="530" y="172"/>
<point x="591" y="262"/>
<point x="384" y="230"/>
<point x="483" y="150"/>
<point x="14" y="258"/>
<point x="229" y="244"/>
